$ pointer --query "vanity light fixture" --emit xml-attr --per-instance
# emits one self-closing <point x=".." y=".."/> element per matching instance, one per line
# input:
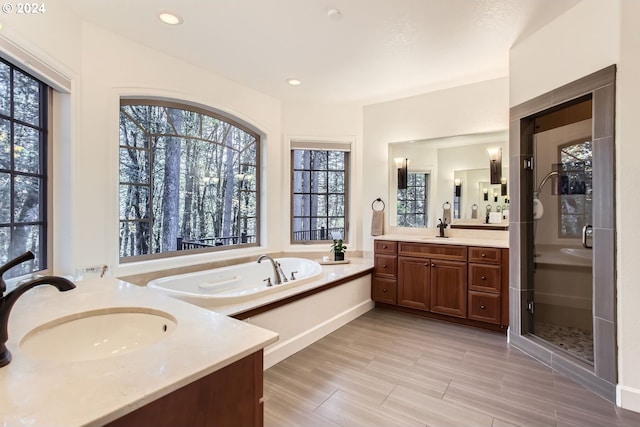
<point x="458" y="186"/>
<point x="403" y="171"/>
<point x="495" y="164"/>
<point x="170" y="18"/>
<point x="495" y="196"/>
<point x="503" y="186"/>
<point x="485" y="194"/>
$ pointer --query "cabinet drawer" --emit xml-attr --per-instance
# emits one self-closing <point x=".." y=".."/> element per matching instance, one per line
<point x="488" y="255"/>
<point x="484" y="307"/>
<point x="385" y="265"/>
<point x="385" y="247"/>
<point x="384" y="290"/>
<point x="485" y="277"/>
<point x="453" y="253"/>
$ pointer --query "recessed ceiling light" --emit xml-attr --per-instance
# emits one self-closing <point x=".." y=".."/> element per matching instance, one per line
<point x="294" y="82"/>
<point x="334" y="13"/>
<point x="170" y="18"/>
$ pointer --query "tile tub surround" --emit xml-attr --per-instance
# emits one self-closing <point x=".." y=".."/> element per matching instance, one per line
<point x="39" y="392"/>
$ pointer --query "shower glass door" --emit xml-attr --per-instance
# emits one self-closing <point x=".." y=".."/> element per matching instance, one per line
<point x="563" y="277"/>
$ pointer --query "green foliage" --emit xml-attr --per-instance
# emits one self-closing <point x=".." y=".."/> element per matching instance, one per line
<point x="337" y="247"/>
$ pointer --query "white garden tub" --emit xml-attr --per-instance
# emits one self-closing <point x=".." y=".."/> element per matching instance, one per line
<point x="237" y="283"/>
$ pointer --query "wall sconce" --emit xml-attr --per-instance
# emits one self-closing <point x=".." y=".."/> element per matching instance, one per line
<point x="485" y="194"/>
<point x="495" y="164"/>
<point x="458" y="185"/>
<point x="402" y="164"/>
<point x="503" y="186"/>
<point x="495" y="196"/>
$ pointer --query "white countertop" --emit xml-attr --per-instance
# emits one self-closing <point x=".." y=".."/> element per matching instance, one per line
<point x="459" y="240"/>
<point x="41" y="392"/>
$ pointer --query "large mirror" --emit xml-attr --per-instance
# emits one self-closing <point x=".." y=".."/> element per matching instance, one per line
<point x="434" y="167"/>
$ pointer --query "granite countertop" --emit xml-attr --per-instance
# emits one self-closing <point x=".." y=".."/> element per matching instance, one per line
<point x="459" y="240"/>
<point x="44" y="392"/>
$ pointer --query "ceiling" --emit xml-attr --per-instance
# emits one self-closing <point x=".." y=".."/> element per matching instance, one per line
<point x="371" y="51"/>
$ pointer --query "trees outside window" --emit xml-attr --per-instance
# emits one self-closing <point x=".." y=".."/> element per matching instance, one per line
<point x="319" y="193"/>
<point x="412" y="201"/>
<point x="23" y="168"/>
<point x="576" y="163"/>
<point x="188" y="180"/>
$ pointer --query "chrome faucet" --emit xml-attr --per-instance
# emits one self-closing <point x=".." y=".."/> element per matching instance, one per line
<point x="277" y="279"/>
<point x="7" y="301"/>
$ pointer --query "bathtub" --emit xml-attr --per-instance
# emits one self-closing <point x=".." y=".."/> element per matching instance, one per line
<point x="235" y="284"/>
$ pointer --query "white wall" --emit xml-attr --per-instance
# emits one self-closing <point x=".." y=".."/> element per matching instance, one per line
<point x="475" y="108"/>
<point x="628" y="206"/>
<point x="591" y="36"/>
<point x="323" y="122"/>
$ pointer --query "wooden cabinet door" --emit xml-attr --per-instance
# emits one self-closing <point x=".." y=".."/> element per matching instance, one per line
<point x="413" y="282"/>
<point x="449" y="288"/>
<point x="383" y="290"/>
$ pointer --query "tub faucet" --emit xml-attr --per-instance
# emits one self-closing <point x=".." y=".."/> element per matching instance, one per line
<point x="283" y="277"/>
<point x="277" y="280"/>
<point x="7" y="301"/>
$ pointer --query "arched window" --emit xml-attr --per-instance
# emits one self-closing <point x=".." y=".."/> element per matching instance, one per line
<point x="188" y="180"/>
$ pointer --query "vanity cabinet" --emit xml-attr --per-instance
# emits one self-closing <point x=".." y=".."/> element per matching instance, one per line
<point x="229" y="397"/>
<point x="384" y="280"/>
<point x="486" y="268"/>
<point x="449" y="282"/>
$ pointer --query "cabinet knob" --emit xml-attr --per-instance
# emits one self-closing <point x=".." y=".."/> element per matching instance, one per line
<point x="433" y="265"/>
<point x="483" y="255"/>
<point x="384" y="265"/>
<point x="482" y="307"/>
<point x="384" y="246"/>
<point x="483" y="278"/>
<point x="384" y="289"/>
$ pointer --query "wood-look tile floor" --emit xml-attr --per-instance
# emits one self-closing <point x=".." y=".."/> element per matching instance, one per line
<point x="393" y="369"/>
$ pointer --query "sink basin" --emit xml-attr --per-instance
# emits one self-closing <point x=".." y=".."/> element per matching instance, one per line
<point x="98" y="334"/>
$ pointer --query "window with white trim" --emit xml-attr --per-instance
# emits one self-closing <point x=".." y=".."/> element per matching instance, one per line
<point x="319" y="191"/>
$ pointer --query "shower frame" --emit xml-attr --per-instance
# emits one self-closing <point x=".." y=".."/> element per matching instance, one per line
<point x="600" y="86"/>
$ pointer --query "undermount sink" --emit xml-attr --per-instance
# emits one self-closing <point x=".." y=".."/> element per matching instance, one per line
<point x="98" y="334"/>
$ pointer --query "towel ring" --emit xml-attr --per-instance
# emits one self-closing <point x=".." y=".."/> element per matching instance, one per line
<point x="444" y="205"/>
<point x="378" y="200"/>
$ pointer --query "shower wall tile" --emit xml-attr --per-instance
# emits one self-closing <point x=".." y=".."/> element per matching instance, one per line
<point x="531" y="106"/>
<point x="533" y="349"/>
<point x="515" y="326"/>
<point x="604" y="112"/>
<point x="604" y="335"/>
<point x="604" y="183"/>
<point x="584" y="375"/>
<point x="604" y="274"/>
<point x="585" y="85"/>
<point x="514" y="139"/>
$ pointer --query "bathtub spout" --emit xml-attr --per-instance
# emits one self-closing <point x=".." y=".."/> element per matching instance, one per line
<point x="283" y="277"/>
<point x="276" y="274"/>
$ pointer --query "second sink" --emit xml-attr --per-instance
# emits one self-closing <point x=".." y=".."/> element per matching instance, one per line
<point x="98" y="334"/>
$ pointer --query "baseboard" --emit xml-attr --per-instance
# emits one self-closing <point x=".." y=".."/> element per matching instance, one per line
<point x="281" y="350"/>
<point x="628" y="397"/>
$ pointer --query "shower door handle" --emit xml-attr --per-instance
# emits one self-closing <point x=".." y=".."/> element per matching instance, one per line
<point x="587" y="232"/>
